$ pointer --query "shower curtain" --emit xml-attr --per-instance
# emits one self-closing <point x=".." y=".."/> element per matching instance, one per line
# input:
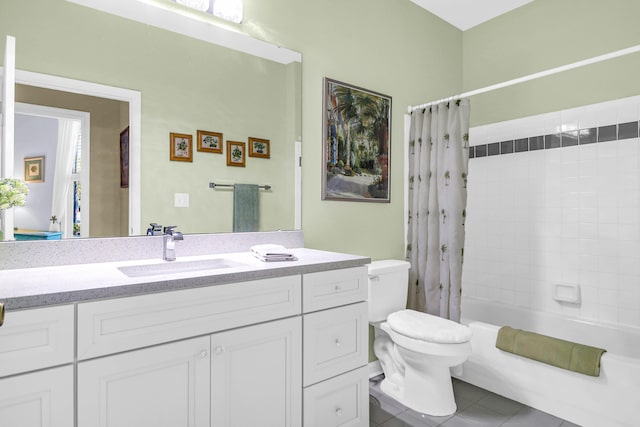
<point x="438" y="167"/>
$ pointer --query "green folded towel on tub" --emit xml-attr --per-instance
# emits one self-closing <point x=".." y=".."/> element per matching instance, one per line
<point x="553" y="351"/>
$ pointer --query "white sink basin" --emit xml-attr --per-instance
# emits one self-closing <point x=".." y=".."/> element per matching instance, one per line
<point x="170" y="267"/>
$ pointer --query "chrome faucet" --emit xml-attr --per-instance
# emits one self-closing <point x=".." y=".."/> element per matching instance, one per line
<point x="169" y="243"/>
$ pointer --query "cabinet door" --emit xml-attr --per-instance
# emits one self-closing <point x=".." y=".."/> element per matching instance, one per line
<point x="40" y="399"/>
<point x="256" y="376"/>
<point x="167" y="385"/>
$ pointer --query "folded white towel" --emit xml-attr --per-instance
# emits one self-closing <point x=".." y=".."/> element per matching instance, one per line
<point x="272" y="252"/>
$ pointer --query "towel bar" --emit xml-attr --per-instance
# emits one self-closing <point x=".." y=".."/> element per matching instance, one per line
<point x="214" y="185"/>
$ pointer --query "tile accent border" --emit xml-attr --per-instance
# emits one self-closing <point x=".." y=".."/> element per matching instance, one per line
<point x="557" y="140"/>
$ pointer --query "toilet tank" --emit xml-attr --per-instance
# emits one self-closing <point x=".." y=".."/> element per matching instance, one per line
<point x="388" y="283"/>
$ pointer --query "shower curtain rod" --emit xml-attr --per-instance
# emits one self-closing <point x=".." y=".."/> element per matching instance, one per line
<point x="214" y="185"/>
<point x="549" y="72"/>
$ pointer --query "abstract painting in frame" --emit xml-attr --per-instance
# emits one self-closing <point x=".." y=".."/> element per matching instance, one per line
<point x="356" y="143"/>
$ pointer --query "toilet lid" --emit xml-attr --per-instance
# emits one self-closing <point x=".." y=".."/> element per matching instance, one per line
<point x="426" y="327"/>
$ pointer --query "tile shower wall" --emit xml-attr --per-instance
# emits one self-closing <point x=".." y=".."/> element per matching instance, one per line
<point x="555" y="199"/>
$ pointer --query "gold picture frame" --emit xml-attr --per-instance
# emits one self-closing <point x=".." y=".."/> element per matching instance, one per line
<point x="210" y="142"/>
<point x="34" y="169"/>
<point x="181" y="147"/>
<point x="236" y="153"/>
<point x="259" y="147"/>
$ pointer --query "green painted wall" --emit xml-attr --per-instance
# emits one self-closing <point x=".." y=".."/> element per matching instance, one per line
<point x="391" y="47"/>
<point x="546" y="34"/>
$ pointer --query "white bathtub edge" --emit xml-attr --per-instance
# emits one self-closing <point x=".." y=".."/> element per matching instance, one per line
<point x="584" y="400"/>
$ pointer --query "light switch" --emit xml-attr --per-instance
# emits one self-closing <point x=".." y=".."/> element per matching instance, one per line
<point x="181" y="200"/>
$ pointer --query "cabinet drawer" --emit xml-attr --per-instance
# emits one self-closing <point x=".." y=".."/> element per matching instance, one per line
<point x="335" y="341"/>
<point x="340" y="401"/>
<point x="36" y="339"/>
<point x="328" y="289"/>
<point x="121" y="324"/>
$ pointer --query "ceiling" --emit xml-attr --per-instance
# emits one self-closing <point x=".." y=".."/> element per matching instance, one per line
<point x="465" y="14"/>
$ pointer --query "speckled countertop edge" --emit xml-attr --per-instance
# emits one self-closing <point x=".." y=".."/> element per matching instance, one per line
<point x="47" y="286"/>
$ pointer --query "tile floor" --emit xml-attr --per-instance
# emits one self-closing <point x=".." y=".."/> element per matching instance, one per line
<point x="476" y="408"/>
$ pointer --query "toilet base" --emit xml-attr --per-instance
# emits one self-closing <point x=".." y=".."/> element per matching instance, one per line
<point x="420" y="380"/>
<point x="431" y="394"/>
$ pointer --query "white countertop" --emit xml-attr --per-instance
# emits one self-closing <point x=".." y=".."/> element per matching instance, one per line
<point x="43" y="286"/>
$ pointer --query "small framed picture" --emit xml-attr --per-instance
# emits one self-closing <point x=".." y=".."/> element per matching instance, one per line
<point x="259" y="147"/>
<point x="34" y="169"/>
<point x="124" y="158"/>
<point x="210" y="142"/>
<point x="181" y="147"/>
<point x="236" y="155"/>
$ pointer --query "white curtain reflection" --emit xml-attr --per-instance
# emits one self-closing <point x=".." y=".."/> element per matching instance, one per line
<point x="68" y="134"/>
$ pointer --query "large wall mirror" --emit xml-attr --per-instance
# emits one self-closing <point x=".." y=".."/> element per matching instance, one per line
<point x="185" y="83"/>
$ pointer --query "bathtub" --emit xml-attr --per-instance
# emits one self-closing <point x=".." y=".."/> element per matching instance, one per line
<point x="610" y="400"/>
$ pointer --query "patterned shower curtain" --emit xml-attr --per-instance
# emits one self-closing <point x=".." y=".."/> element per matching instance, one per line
<point x="438" y="167"/>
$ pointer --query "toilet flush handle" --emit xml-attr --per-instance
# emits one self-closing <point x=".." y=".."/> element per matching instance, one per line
<point x="374" y="278"/>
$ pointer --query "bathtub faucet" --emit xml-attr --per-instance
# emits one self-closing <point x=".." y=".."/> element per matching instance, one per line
<point x="169" y="242"/>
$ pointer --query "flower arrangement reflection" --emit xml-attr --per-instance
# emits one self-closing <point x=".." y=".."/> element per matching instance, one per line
<point x="13" y="192"/>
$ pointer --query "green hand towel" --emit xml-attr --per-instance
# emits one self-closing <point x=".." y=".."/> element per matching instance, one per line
<point x="553" y="351"/>
<point x="246" y="208"/>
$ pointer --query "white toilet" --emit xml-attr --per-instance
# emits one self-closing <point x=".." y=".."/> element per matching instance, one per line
<point x="415" y="349"/>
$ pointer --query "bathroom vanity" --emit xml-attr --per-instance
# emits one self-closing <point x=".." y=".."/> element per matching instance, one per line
<point x="221" y="340"/>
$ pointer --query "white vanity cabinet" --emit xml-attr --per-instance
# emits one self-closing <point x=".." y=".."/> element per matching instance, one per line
<point x="281" y="351"/>
<point x="39" y="339"/>
<point x="336" y="333"/>
<point x="240" y="376"/>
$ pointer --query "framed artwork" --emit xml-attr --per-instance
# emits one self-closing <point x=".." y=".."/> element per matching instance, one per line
<point x="210" y="142"/>
<point x="34" y="169"/>
<point x="124" y="158"/>
<point x="356" y="128"/>
<point x="259" y="147"/>
<point x="181" y="147"/>
<point x="236" y="153"/>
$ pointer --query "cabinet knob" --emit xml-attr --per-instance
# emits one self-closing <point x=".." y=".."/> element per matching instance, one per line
<point x="339" y="412"/>
<point x="1" y="313"/>
<point x="338" y="343"/>
<point x="337" y="288"/>
<point x="204" y="354"/>
<point x="219" y="350"/>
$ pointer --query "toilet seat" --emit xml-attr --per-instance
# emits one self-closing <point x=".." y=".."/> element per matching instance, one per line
<point x="426" y="327"/>
<point x="458" y="350"/>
